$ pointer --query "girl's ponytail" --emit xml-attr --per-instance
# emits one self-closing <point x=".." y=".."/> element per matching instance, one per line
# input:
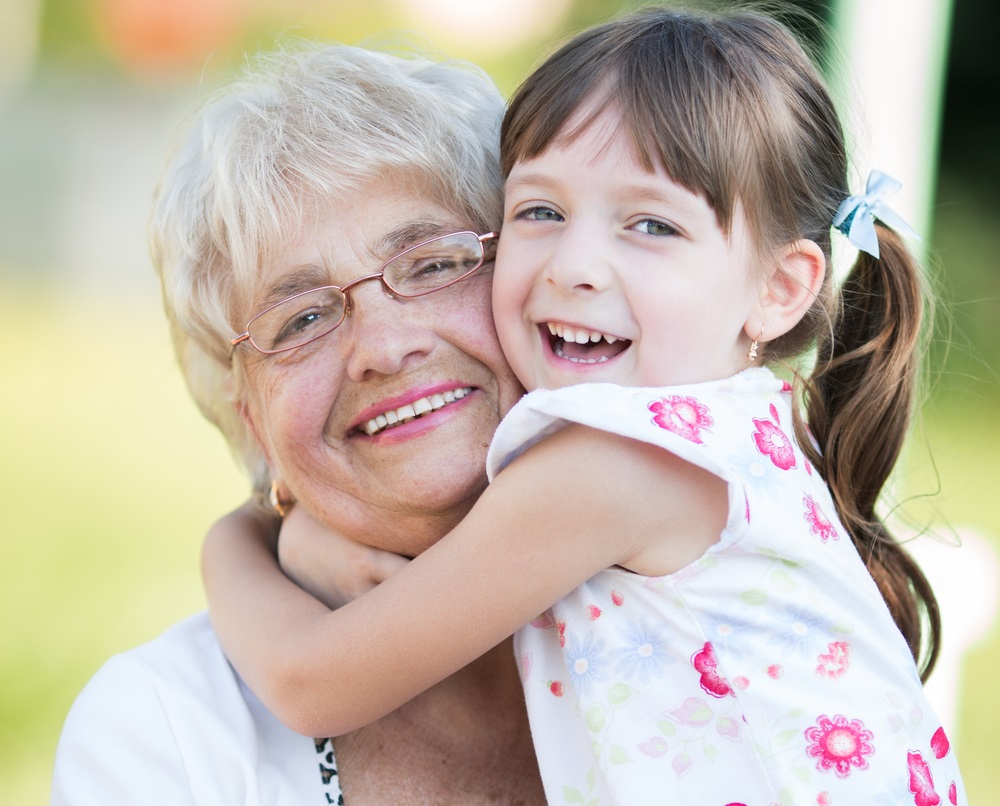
<point x="859" y="402"/>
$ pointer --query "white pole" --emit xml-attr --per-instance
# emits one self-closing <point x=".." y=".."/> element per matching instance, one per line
<point x="892" y="91"/>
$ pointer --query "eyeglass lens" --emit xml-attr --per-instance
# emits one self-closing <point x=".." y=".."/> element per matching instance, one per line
<point x="421" y="270"/>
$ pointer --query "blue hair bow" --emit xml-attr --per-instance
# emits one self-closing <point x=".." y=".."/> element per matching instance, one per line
<point x="856" y="215"/>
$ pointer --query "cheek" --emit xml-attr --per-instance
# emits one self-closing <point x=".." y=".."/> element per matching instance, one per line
<point x="511" y="279"/>
<point x="468" y="325"/>
<point x="508" y="311"/>
<point x="291" y="412"/>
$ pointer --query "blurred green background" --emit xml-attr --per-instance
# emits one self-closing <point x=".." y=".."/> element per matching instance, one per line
<point x="110" y="477"/>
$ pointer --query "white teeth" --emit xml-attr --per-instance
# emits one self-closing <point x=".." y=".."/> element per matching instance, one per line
<point x="600" y="360"/>
<point x="415" y="409"/>
<point x="571" y="334"/>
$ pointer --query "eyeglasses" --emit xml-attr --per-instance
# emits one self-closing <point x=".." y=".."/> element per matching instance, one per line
<point x="415" y="272"/>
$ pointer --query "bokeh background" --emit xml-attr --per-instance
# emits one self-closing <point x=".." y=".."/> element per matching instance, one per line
<point x="109" y="477"/>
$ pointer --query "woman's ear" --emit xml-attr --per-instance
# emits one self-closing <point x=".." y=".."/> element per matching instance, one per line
<point x="247" y="416"/>
<point x="789" y="291"/>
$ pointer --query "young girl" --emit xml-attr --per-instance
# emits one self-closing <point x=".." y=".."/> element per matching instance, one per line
<point x="726" y="618"/>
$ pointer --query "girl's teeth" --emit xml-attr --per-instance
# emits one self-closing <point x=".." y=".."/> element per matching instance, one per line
<point x="558" y="351"/>
<point x="414" y="409"/>
<point x="570" y="334"/>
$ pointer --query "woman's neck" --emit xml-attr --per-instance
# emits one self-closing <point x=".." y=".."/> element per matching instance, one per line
<point x="464" y="741"/>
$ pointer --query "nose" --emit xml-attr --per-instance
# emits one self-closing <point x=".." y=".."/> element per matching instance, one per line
<point x="382" y="335"/>
<point x="578" y="262"/>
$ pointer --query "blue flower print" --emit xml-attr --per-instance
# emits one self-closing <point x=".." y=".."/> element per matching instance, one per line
<point x="730" y="632"/>
<point x="586" y="661"/>
<point x="644" y="654"/>
<point x="891" y="792"/>
<point x="756" y="473"/>
<point x="801" y="630"/>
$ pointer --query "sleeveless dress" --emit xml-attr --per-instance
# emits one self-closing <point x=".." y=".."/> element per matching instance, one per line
<point x="769" y="671"/>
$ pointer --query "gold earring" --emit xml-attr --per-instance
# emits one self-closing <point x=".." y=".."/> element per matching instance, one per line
<point x="276" y="502"/>
<point x="752" y="354"/>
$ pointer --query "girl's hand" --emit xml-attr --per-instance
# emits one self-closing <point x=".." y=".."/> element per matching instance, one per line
<point x="327" y="565"/>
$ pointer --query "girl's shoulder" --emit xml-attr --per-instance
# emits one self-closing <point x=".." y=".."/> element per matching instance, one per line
<point x="689" y="420"/>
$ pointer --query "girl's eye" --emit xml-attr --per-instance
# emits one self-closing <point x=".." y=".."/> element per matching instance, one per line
<point x="539" y="214"/>
<point x="650" y="226"/>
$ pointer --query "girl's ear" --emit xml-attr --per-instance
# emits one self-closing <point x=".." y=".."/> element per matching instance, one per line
<point x="789" y="291"/>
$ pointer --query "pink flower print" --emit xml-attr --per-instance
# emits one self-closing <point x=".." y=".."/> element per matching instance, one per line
<point x="835" y="661"/>
<point x="693" y="712"/>
<point x="819" y="524"/>
<point x="556" y="687"/>
<point x="728" y="727"/>
<point x="940" y="744"/>
<point x="705" y="662"/>
<point x="921" y="781"/>
<point x="617" y="599"/>
<point x="772" y="442"/>
<point x="654" y="747"/>
<point x="786" y="387"/>
<point x="684" y="416"/>
<point x="682" y="764"/>
<point x="839" y="744"/>
<point x="774" y="671"/>
<point x="561" y="627"/>
<point x="544" y="621"/>
<point x="953" y="794"/>
<point x="593" y="612"/>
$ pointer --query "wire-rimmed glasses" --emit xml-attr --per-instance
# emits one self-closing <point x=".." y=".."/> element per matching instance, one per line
<point x="429" y="266"/>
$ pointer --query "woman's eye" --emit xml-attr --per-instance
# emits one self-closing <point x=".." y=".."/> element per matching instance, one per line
<point x="300" y="323"/>
<point x="539" y="214"/>
<point x="650" y="226"/>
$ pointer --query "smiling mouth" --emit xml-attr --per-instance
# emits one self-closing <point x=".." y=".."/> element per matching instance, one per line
<point x="582" y="346"/>
<point x="414" y="410"/>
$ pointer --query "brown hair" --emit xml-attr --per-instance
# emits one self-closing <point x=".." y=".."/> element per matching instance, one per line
<point x="732" y="107"/>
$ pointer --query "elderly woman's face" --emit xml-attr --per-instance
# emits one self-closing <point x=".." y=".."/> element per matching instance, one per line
<point x="403" y="487"/>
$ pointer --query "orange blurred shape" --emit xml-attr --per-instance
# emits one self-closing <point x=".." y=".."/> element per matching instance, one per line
<point x="166" y="36"/>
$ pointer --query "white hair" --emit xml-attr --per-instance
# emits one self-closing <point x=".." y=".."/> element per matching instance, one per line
<point x="306" y="123"/>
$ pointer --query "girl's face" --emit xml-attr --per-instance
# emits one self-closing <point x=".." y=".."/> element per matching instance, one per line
<point x="606" y="272"/>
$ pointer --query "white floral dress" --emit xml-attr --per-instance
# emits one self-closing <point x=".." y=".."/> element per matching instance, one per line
<point x="769" y="671"/>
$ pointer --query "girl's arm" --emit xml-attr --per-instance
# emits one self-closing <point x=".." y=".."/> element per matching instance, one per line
<point x="576" y="503"/>
<point x="331" y="567"/>
<point x="328" y="566"/>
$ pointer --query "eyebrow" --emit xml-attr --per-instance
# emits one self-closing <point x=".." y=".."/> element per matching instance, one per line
<point x="315" y="275"/>
<point x="406" y="235"/>
<point x="298" y="278"/>
<point x="642" y="193"/>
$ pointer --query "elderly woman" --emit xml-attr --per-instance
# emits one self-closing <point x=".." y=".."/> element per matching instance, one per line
<point x="342" y="202"/>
